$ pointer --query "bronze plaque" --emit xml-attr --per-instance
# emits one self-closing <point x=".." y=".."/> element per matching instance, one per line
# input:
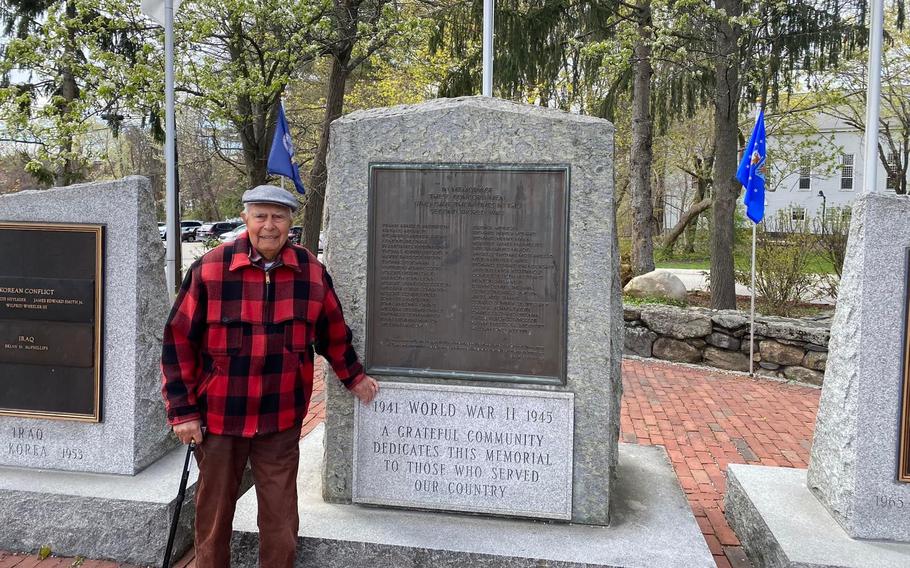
<point x="903" y="473"/>
<point x="467" y="275"/>
<point x="50" y="320"/>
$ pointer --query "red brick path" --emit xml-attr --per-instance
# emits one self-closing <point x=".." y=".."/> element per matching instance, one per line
<point x="705" y="419"/>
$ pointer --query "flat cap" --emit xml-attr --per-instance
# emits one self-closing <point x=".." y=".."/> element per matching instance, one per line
<point x="270" y="194"/>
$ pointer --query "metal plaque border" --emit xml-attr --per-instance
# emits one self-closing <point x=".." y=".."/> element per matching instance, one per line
<point x="903" y="467"/>
<point x="562" y="378"/>
<point x="98" y="231"/>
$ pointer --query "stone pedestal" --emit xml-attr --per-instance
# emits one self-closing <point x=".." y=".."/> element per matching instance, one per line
<point x="652" y="525"/>
<point x="104" y="489"/>
<point x="850" y="492"/>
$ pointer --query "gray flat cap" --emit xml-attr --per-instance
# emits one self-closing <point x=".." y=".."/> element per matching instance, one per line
<point x="270" y="194"/>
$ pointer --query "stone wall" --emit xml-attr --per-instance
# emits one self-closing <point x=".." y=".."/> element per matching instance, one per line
<point x="786" y="348"/>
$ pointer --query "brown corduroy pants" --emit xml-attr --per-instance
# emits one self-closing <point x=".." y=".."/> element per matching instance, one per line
<point x="222" y="460"/>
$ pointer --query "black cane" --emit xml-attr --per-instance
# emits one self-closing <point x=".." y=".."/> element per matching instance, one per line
<point x="181" y="494"/>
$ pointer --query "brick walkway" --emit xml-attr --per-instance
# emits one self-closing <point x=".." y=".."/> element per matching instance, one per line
<point x="705" y="419"/>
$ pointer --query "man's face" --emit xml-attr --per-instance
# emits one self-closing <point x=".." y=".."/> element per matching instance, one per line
<point x="268" y="227"/>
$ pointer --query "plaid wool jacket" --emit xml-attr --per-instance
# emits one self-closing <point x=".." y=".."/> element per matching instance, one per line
<point x="239" y="342"/>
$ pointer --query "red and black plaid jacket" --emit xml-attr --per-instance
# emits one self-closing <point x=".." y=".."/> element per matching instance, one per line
<point x="239" y="342"/>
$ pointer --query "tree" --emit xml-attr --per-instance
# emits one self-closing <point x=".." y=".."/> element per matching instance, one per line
<point x="57" y="80"/>
<point x="359" y="28"/>
<point x="842" y="95"/>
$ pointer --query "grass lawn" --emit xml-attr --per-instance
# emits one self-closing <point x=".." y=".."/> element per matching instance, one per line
<point x="816" y="264"/>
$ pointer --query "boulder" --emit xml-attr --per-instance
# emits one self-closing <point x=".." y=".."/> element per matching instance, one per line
<point x="723" y="341"/>
<point x="793" y="329"/>
<point x="815" y="360"/>
<point x="723" y="359"/>
<point x="657" y="284"/>
<point x="730" y="319"/>
<point x="769" y="366"/>
<point x="676" y="322"/>
<point x="774" y="352"/>
<point x="804" y="375"/>
<point x="638" y="341"/>
<point x="673" y="350"/>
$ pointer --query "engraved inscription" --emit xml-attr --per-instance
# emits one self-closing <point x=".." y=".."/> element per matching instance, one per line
<point x="468" y="272"/>
<point x="27" y="443"/>
<point x="466" y="449"/>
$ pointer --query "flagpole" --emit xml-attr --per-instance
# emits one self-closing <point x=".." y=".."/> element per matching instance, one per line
<point x="488" y="48"/>
<point x="172" y="211"/>
<point x="873" y="96"/>
<point x="752" y="308"/>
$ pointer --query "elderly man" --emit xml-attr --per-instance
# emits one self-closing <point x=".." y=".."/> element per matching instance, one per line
<point x="238" y="359"/>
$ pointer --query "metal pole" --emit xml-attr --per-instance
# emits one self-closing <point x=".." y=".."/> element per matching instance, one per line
<point x="752" y="309"/>
<point x="873" y="97"/>
<point x="488" y="48"/>
<point x="170" y="158"/>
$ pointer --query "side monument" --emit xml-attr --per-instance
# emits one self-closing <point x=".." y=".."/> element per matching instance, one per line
<point x="87" y="463"/>
<point x="472" y="243"/>
<point x="851" y="509"/>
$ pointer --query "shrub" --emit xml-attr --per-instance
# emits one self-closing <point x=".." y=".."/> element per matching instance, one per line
<point x="782" y="253"/>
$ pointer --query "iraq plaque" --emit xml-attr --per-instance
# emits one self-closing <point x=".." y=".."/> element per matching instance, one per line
<point x="903" y="473"/>
<point x="50" y="320"/>
<point x="483" y="450"/>
<point x="467" y="275"/>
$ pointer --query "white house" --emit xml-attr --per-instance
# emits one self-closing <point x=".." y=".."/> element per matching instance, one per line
<point x="796" y="185"/>
<point x="804" y="189"/>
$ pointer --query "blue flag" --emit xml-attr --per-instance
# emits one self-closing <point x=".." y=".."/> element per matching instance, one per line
<point x="282" y="151"/>
<point x="750" y="172"/>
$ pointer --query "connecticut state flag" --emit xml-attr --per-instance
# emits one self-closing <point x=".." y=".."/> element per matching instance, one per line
<point x="750" y="172"/>
<point x="282" y="151"/>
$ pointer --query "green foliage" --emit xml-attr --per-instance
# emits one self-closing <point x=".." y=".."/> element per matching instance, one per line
<point x="782" y="253"/>
<point x="631" y="300"/>
<point x="44" y="552"/>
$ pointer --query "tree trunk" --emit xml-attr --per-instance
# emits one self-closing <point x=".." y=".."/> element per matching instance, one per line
<point x="642" y="213"/>
<point x="726" y="128"/>
<point x="334" y="106"/>
<point x="686" y="222"/>
<point x="65" y="172"/>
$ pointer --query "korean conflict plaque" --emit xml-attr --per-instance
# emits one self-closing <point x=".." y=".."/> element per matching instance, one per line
<point x="903" y="473"/>
<point x="50" y="320"/>
<point x="495" y="451"/>
<point x="467" y="275"/>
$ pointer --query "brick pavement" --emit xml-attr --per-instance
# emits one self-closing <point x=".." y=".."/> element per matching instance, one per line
<point x="706" y="419"/>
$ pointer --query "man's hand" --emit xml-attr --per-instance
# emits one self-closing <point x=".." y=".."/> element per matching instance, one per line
<point x="189" y="432"/>
<point x="366" y="390"/>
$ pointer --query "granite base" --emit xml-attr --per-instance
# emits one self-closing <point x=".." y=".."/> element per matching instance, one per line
<point x="782" y="524"/>
<point x="104" y="516"/>
<point x="653" y="527"/>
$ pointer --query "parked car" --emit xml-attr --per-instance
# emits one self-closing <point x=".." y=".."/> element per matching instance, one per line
<point x="231" y="235"/>
<point x="215" y="229"/>
<point x="295" y="234"/>
<point x="188" y="230"/>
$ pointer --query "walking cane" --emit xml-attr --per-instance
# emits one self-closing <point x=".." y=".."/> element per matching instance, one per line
<point x="181" y="494"/>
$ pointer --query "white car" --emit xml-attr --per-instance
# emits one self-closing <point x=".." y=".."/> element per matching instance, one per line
<point x="231" y="235"/>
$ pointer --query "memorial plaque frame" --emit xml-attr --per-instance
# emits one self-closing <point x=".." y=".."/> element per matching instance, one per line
<point x="558" y="377"/>
<point x="98" y="250"/>
<point x="903" y="473"/>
